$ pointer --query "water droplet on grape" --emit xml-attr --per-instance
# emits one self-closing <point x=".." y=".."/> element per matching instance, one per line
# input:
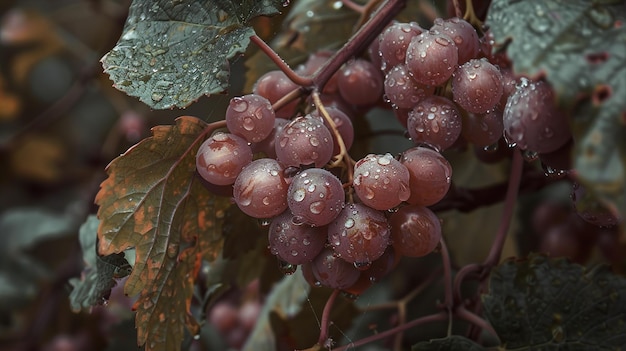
<point x="299" y="195"/>
<point x="248" y="124"/>
<point x="238" y="104"/>
<point x="317" y="207"/>
<point x="362" y="266"/>
<point x="349" y="223"/>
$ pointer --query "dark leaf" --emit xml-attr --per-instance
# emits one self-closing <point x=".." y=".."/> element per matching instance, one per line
<point x="172" y="53"/>
<point x="451" y="343"/>
<point x="547" y="304"/>
<point x="580" y="48"/>
<point x="285" y="300"/>
<point x="153" y="201"/>
<point x="100" y="272"/>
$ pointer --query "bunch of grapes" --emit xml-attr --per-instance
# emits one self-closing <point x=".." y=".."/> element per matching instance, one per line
<point x="347" y="222"/>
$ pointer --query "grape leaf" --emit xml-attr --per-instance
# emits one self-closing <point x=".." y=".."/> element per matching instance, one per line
<point x="551" y="304"/>
<point x="286" y="300"/>
<point x="580" y="48"/>
<point x="173" y="52"/>
<point x="451" y="343"/>
<point x="153" y="201"/>
<point x="98" y="276"/>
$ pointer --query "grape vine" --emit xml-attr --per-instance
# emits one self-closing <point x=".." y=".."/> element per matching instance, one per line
<point x="282" y="172"/>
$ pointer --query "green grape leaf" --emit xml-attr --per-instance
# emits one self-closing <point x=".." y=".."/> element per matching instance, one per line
<point x="173" y="52"/>
<point x="451" y="343"/>
<point x="552" y="304"/>
<point x="98" y="276"/>
<point x="285" y="300"/>
<point x="153" y="201"/>
<point x="580" y="48"/>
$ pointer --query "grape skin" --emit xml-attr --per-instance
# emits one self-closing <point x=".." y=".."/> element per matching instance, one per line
<point x="431" y="58"/>
<point x="295" y="242"/>
<point x="316" y="196"/>
<point x="304" y="141"/>
<point x="380" y="181"/>
<point x="359" y="234"/>
<point x="360" y="83"/>
<point x="436" y="122"/>
<point x="477" y="86"/>
<point x="430" y="175"/>
<point x="251" y="117"/>
<point x="415" y="231"/>
<point x="260" y="190"/>
<point x="221" y="158"/>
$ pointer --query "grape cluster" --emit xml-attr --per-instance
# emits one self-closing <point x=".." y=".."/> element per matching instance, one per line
<point x="347" y="222"/>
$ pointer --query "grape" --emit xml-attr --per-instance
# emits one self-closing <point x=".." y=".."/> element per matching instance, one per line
<point x="268" y="145"/>
<point x="533" y="121"/>
<point x="462" y="33"/>
<point x="221" y="157"/>
<point x="562" y="240"/>
<point x="304" y="141"/>
<point x="273" y="85"/>
<point x="477" y="86"/>
<point x="250" y="117"/>
<point x="402" y="90"/>
<point x="260" y="190"/>
<point x="483" y="129"/>
<point x="431" y="58"/>
<point x="415" y="231"/>
<point x="381" y="181"/>
<point x="316" y="196"/>
<point x="343" y="125"/>
<point x="249" y="314"/>
<point x="360" y="83"/>
<point x="435" y="121"/>
<point x="359" y="234"/>
<point x="379" y="269"/>
<point x="295" y="242"/>
<point x="333" y="272"/>
<point x="429" y="175"/>
<point x="393" y="42"/>
<point x="224" y="316"/>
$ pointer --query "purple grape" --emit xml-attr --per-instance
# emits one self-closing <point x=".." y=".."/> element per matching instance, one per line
<point x="393" y="43"/>
<point x="477" y="86"/>
<point x="260" y="190"/>
<point x="415" y="231"/>
<point x="273" y="85"/>
<point x="316" y="196"/>
<point x="295" y="242"/>
<point x="532" y="120"/>
<point x="250" y="117"/>
<point x="333" y="272"/>
<point x="429" y="175"/>
<point x="402" y="90"/>
<point x="359" y="234"/>
<point x="343" y="123"/>
<point x="435" y="121"/>
<point x="304" y="141"/>
<point x="431" y="58"/>
<point x="221" y="157"/>
<point x="381" y="181"/>
<point x="462" y="33"/>
<point x="483" y="129"/>
<point x="360" y="83"/>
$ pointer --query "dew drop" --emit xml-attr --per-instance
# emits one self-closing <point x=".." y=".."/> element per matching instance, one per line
<point x="317" y="207"/>
<point x="349" y="223"/>
<point x="299" y="195"/>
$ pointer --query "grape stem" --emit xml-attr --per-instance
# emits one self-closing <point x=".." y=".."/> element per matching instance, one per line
<point x="359" y="41"/>
<point x="509" y="207"/>
<point x="326" y="317"/>
<point x="470" y="16"/>
<point x="457" y="8"/>
<point x="447" y="281"/>
<point x="282" y="65"/>
<point x="353" y="6"/>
